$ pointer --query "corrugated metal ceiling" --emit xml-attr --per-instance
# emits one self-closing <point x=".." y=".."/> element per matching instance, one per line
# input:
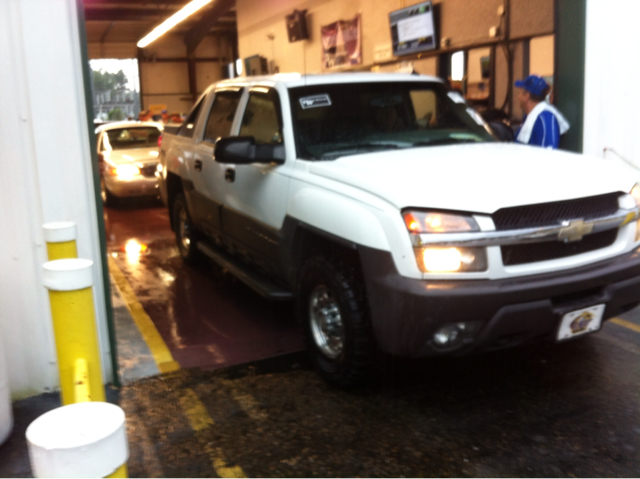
<point x="119" y="21"/>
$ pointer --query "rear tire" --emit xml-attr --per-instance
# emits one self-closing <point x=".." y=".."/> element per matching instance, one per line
<point x="331" y="305"/>
<point x="186" y="235"/>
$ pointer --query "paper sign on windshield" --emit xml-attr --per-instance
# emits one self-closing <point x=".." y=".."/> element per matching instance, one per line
<point x="315" y="101"/>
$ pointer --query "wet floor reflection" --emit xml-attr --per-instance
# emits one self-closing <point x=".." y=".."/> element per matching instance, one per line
<point x="207" y="318"/>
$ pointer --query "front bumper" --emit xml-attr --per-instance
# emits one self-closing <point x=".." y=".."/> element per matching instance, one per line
<point x="136" y="186"/>
<point x="405" y="312"/>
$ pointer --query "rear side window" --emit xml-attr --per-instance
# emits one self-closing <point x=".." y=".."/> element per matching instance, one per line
<point x="221" y="115"/>
<point x="262" y="118"/>
<point x="131" y="138"/>
<point x="189" y="125"/>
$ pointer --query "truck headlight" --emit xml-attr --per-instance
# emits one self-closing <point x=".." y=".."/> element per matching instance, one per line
<point x="433" y="222"/>
<point x="436" y="259"/>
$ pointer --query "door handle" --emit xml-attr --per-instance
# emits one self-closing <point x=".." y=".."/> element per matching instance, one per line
<point x="230" y="175"/>
<point x="198" y="165"/>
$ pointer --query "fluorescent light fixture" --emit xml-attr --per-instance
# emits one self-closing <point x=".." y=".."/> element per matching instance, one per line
<point x="172" y="21"/>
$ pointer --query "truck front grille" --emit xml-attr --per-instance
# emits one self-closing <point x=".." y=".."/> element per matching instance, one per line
<point x="546" y="214"/>
<point x="533" y="252"/>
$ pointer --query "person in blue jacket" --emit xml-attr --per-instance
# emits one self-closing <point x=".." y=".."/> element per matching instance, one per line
<point x="543" y="122"/>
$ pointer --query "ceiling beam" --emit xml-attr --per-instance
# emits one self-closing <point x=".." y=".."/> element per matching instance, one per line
<point x="200" y="29"/>
<point x="100" y="14"/>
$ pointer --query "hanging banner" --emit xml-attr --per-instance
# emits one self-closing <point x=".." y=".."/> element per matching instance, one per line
<point x="341" y="43"/>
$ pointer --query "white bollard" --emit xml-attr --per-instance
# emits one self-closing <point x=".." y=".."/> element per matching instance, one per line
<point x="61" y="239"/>
<point x="86" y="439"/>
<point x="6" y="413"/>
<point x="60" y="231"/>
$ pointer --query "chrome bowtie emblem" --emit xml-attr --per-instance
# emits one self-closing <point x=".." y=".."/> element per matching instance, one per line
<point x="574" y="230"/>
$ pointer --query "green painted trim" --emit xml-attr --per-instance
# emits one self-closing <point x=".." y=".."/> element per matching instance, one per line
<point x="571" y="26"/>
<point x="86" y="76"/>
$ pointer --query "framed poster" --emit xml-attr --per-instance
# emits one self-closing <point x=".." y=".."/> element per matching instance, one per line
<point x="342" y="43"/>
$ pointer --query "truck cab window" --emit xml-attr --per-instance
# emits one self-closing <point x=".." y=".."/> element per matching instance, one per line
<point x="262" y="118"/>
<point x="424" y="107"/>
<point x="188" y="127"/>
<point x="221" y="116"/>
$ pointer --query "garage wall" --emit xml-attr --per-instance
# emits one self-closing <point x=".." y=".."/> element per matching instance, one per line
<point x="462" y="22"/>
<point x="119" y="51"/>
<point x="164" y="70"/>
<point x="612" y="73"/>
<point x="530" y="18"/>
<point x="466" y="22"/>
<point x="45" y="176"/>
<point x="165" y="83"/>
<point x="541" y="55"/>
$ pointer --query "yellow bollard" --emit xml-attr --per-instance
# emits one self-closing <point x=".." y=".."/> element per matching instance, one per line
<point x="81" y="388"/>
<point x="120" y="472"/>
<point x="70" y="282"/>
<point x="61" y="240"/>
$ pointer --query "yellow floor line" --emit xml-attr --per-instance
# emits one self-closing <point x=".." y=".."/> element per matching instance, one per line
<point x="246" y="401"/>
<point x="225" y="471"/>
<point x="200" y="419"/>
<point x="152" y="337"/>
<point x="625" y="324"/>
<point x="195" y="411"/>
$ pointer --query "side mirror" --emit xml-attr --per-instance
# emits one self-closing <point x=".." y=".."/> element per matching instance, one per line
<point x="242" y="150"/>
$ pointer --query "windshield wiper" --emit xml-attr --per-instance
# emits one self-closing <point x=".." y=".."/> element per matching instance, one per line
<point x="444" y="141"/>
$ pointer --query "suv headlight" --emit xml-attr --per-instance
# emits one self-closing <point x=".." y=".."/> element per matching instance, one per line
<point x="124" y="171"/>
<point x="438" y="259"/>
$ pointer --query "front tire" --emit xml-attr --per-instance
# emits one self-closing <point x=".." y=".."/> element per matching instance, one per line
<point x="331" y="305"/>
<point x="186" y="234"/>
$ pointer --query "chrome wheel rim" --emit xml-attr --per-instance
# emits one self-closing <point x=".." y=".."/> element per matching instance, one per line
<point x="327" y="327"/>
<point x="185" y="230"/>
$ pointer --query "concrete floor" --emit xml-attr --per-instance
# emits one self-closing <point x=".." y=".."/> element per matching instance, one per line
<point x="206" y="317"/>
<point x="544" y="410"/>
<point x="538" y="411"/>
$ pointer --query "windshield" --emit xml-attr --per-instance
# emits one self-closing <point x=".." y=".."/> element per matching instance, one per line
<point x="130" y="138"/>
<point x="347" y="119"/>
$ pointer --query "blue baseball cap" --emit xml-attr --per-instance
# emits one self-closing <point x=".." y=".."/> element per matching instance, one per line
<point x="533" y="84"/>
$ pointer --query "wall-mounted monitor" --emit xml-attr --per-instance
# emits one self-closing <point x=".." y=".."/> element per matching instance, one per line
<point x="412" y="29"/>
<point x="297" y="26"/>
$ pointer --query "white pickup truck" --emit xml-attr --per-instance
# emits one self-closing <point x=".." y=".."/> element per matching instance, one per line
<point x="383" y="207"/>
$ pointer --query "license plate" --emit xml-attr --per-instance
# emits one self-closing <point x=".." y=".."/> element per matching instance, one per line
<point x="581" y="321"/>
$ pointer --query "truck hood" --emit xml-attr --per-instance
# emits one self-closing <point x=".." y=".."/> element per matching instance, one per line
<point x="479" y="178"/>
<point x="131" y="156"/>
